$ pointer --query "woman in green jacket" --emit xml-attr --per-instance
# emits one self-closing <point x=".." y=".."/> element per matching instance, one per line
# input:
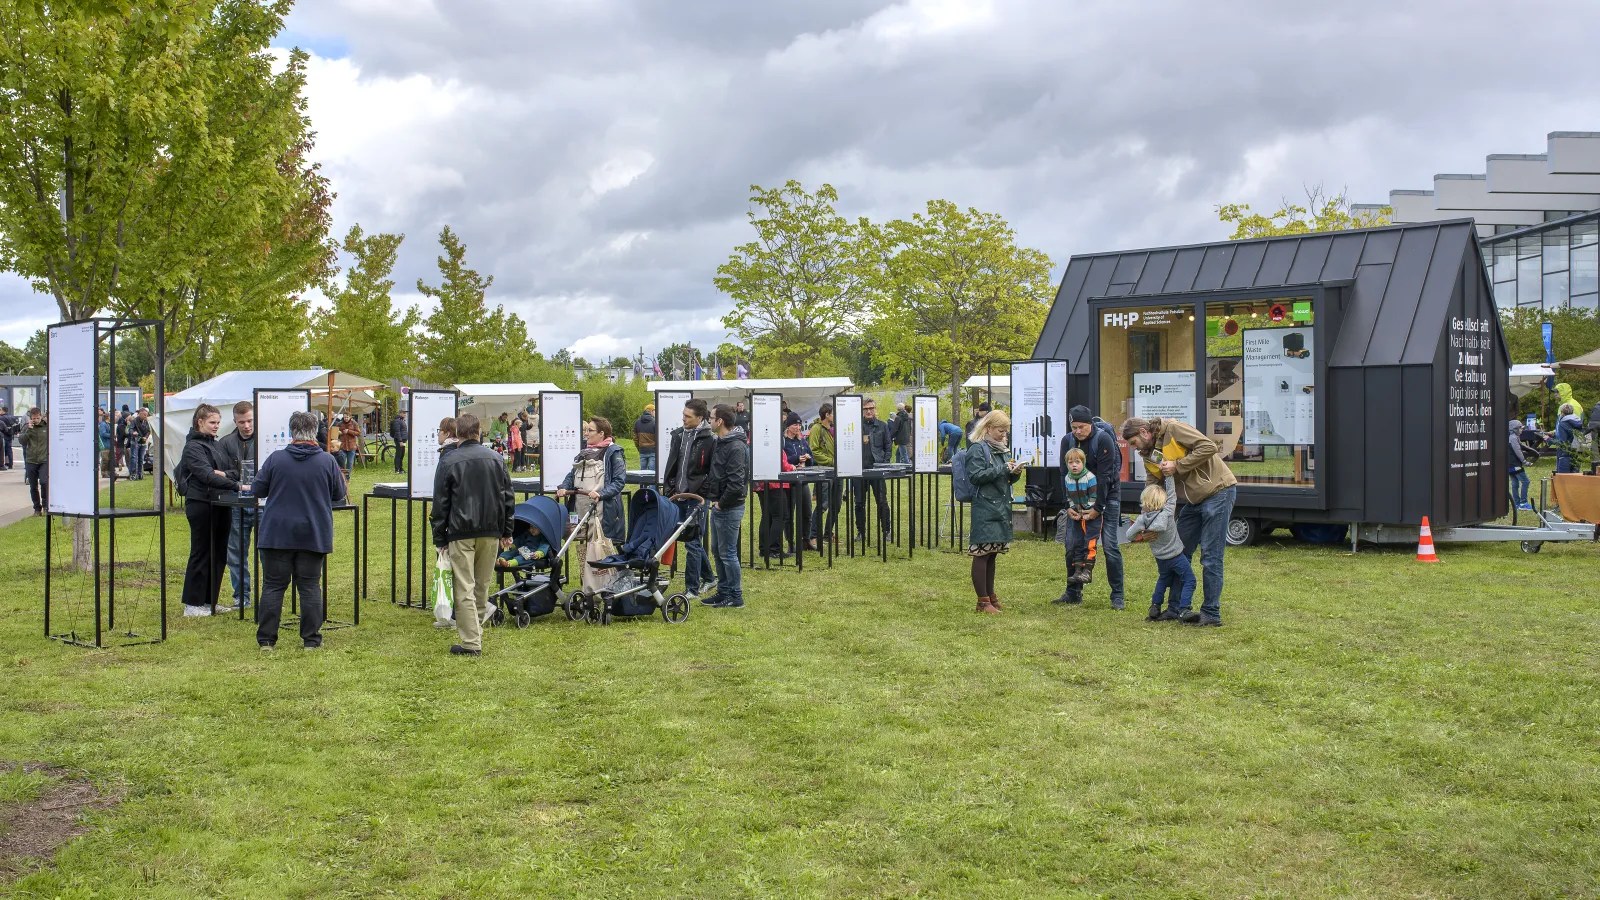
<point x="992" y="471"/>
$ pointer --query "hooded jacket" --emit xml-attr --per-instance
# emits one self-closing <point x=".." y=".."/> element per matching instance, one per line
<point x="1162" y="526"/>
<point x="472" y="495"/>
<point x="902" y="427"/>
<point x="198" y="467"/>
<point x="399" y="430"/>
<point x="1518" y="460"/>
<point x="822" y="443"/>
<point x="35" y="442"/>
<point x="689" y="460"/>
<point x="300" y="486"/>
<point x="730" y="470"/>
<point x="233" y="450"/>
<point x="644" y="431"/>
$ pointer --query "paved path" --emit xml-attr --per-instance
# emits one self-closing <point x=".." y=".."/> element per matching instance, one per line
<point x="16" y="505"/>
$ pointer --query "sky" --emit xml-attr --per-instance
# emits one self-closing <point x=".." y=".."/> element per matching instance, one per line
<point x="596" y="155"/>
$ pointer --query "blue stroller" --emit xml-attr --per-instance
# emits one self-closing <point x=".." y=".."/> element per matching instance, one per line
<point x="536" y="590"/>
<point x="655" y="525"/>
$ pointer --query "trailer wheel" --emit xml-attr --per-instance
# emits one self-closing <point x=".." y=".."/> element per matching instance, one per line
<point x="1532" y="546"/>
<point x="1242" y="532"/>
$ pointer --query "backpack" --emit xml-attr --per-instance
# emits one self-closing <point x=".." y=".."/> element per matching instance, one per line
<point x="960" y="483"/>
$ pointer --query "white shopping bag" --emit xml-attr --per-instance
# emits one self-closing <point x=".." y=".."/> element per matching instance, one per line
<point x="444" y="590"/>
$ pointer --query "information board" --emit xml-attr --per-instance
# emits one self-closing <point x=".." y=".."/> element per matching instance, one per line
<point x="669" y="416"/>
<point x="1029" y="421"/>
<point x="1055" y="401"/>
<point x="428" y="409"/>
<point x="128" y="396"/>
<point x="847" y="432"/>
<point x="925" y="433"/>
<point x="273" y="409"/>
<point x="71" y="419"/>
<point x="766" y="437"/>
<point x="1280" y="382"/>
<point x="1469" y="412"/>
<point x="560" y="435"/>
<point x="1164" y="395"/>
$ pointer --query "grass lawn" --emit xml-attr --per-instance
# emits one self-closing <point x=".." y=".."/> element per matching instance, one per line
<point x="1362" y="727"/>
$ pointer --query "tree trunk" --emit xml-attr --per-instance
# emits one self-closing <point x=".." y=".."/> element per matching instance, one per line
<point x="82" y="545"/>
<point x="955" y="395"/>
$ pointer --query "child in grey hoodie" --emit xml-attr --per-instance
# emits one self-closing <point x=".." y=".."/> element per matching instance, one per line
<point x="1158" y="525"/>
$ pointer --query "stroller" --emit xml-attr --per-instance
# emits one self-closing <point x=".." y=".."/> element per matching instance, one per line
<point x="656" y="524"/>
<point x="537" y="588"/>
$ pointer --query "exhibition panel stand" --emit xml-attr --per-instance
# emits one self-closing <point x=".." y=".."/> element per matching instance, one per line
<point x="849" y="468"/>
<point x="72" y="362"/>
<point x="428" y="409"/>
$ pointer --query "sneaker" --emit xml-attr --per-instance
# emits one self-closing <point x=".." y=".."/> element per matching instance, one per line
<point x="311" y="647"/>
<point x="444" y="623"/>
<point x="458" y="650"/>
<point x="268" y="648"/>
<point x="1190" y="617"/>
<point x="708" y="589"/>
<point x="1204" y="621"/>
<point x="487" y="612"/>
<point x="730" y="604"/>
<point x="1154" y="615"/>
<point x="1170" y="615"/>
<point x="1526" y="507"/>
<point x="1116" y="603"/>
<point x="231" y="607"/>
<point x="189" y="611"/>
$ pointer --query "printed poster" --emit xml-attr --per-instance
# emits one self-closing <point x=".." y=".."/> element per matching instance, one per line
<point x="766" y="437"/>
<point x="428" y="409"/>
<point x="847" y="427"/>
<point x="1280" y="400"/>
<point x="1055" y="398"/>
<point x="71" y="419"/>
<point x="925" y="434"/>
<point x="669" y="415"/>
<point x="1166" y="395"/>
<point x="273" y="409"/>
<point x="561" y="436"/>
<point x="1029" y="419"/>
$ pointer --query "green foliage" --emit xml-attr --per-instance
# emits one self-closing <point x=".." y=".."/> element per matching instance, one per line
<point x="955" y="292"/>
<point x="19" y="362"/>
<point x="1575" y="333"/>
<point x="1331" y="214"/>
<point x="463" y="340"/>
<point x="803" y="282"/>
<point x="620" y="403"/>
<point x="362" y="332"/>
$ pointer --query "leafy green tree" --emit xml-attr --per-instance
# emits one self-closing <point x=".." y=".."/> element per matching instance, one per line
<point x="363" y="332"/>
<point x="676" y="361"/>
<point x="1320" y="213"/>
<point x="955" y="292"/>
<point x="803" y="282"/>
<point x="1574" y="333"/>
<point x="16" y="362"/>
<point x="463" y="340"/>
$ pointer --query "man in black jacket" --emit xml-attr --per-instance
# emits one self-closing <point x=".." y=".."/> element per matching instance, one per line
<point x="236" y="449"/>
<point x="10" y="427"/>
<point x="138" y="443"/>
<point x="472" y="510"/>
<point x="1098" y="442"/>
<point x="725" y="488"/>
<point x="901" y="428"/>
<point x="875" y="449"/>
<point x="401" y="434"/>
<point x="688" y="464"/>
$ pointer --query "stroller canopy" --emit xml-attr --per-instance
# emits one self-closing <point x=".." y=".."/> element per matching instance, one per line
<point x="544" y="514"/>
<point x="652" y="521"/>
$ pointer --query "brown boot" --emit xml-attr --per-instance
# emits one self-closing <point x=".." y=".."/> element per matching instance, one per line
<point x="995" y="602"/>
<point x="984" y="606"/>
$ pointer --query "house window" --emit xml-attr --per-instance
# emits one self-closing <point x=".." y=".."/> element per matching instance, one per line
<point x="1260" y="387"/>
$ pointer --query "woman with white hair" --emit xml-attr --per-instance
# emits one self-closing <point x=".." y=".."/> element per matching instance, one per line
<point x="992" y="471"/>
<point x="300" y="484"/>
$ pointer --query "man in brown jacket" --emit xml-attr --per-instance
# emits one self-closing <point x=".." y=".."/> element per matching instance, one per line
<point x="1206" y="490"/>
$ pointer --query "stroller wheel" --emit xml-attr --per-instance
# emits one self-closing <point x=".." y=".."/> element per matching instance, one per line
<point x="523" y="620"/>
<point x="676" y="609"/>
<point x="573" y="606"/>
<point x="499" y="617"/>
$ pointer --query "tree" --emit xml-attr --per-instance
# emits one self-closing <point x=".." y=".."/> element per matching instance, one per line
<point x="362" y="332"/>
<point x="955" y="292"/>
<point x="676" y="361"/>
<point x="462" y="339"/>
<point x="803" y="282"/>
<point x="1331" y="214"/>
<point x="15" y="362"/>
<point x="1574" y="333"/>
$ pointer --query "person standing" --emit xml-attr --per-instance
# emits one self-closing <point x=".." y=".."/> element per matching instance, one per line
<point x="10" y="428"/>
<point x="1206" y="491"/>
<point x="725" y="490"/>
<point x="823" y="451"/>
<point x="121" y="438"/>
<point x="1104" y="461"/>
<point x="472" y="518"/>
<point x="599" y="473"/>
<point x="349" y="440"/>
<point x="688" y="464"/>
<point x="644" y="436"/>
<point x="984" y="409"/>
<point x="108" y="455"/>
<point x="139" y="443"/>
<point x="875" y="450"/>
<point x="992" y="471"/>
<point x="741" y="418"/>
<point x="237" y="450"/>
<point x="201" y="480"/>
<point x="401" y="434"/>
<point x="1519" y="465"/>
<point x="36" y="460"/>
<point x="776" y="523"/>
<point x="299" y="488"/>
<point x="797" y="452"/>
<point x="1568" y="427"/>
<point x="901" y="426"/>
<point x="518" y="458"/>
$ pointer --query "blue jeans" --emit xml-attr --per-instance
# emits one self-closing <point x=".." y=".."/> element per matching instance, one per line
<point x="243" y="522"/>
<point x="902" y="453"/>
<point x="5" y="451"/>
<point x="647" y="459"/>
<point x="136" y="455"/>
<point x="347" y="459"/>
<point x="1109" y="533"/>
<point x="1205" y="525"/>
<point x="725" y="524"/>
<point x="697" y="568"/>
<point x="1175" y="581"/>
<point x="1519" y="487"/>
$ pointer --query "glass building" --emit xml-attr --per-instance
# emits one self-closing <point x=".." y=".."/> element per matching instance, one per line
<point x="1555" y="265"/>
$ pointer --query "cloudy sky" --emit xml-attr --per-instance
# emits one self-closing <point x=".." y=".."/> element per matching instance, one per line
<point x="596" y="155"/>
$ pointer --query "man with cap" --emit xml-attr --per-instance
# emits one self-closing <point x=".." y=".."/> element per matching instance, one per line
<point x="1098" y="442"/>
<point x="644" y="436"/>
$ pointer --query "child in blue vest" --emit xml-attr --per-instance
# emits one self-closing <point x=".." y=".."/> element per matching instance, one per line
<point x="1083" y="531"/>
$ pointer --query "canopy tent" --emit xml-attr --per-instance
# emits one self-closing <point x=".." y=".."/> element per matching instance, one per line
<point x="488" y="401"/>
<point x="1526" y="378"/>
<point x="805" y="396"/>
<point x="1001" y="385"/>
<point x="344" y="391"/>
<point x="1589" y="362"/>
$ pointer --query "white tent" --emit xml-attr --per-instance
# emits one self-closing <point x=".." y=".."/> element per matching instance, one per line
<point x="804" y="395"/>
<point x="1001" y="385"/>
<point x="347" y="392"/>
<point x="1527" y="377"/>
<point x="488" y="401"/>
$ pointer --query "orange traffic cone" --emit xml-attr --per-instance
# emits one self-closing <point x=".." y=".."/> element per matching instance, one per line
<point x="1425" y="544"/>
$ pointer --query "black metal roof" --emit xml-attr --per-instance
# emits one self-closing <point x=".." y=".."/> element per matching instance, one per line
<point x="1401" y="279"/>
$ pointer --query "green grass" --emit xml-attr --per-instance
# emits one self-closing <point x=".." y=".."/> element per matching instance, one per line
<point x="1363" y="727"/>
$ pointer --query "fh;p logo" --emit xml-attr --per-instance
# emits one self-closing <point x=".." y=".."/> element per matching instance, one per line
<point x="1120" y="320"/>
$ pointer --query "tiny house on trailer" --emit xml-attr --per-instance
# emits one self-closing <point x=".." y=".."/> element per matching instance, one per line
<point x="1355" y="377"/>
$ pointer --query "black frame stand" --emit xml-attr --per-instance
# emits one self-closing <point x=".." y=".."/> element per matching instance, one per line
<point x="357" y="571"/>
<point x="105" y="565"/>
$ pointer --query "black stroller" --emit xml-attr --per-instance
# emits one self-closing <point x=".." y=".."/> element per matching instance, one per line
<point x="655" y="525"/>
<point x="536" y="590"/>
